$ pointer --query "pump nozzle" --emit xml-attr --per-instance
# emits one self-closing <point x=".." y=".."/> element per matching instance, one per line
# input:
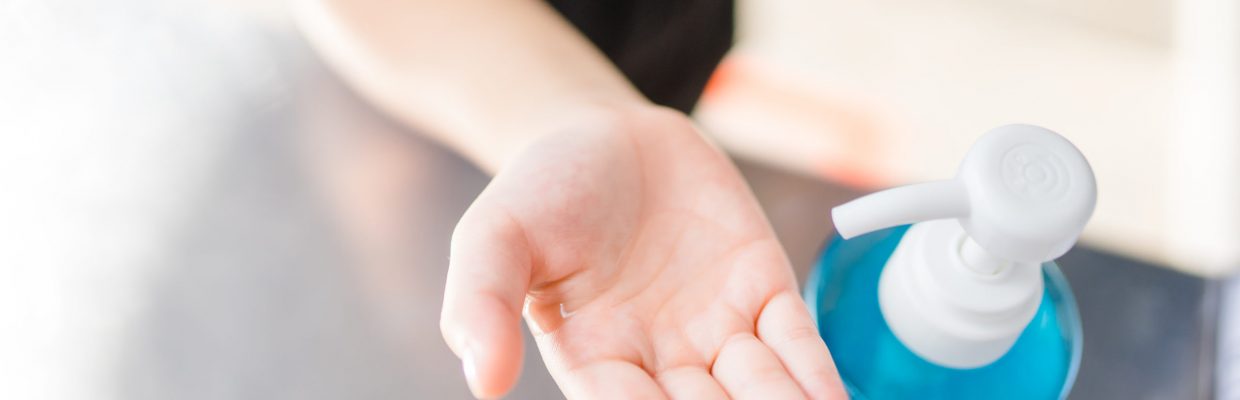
<point x="1023" y="193"/>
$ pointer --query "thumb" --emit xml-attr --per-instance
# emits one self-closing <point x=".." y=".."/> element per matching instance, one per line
<point x="488" y="276"/>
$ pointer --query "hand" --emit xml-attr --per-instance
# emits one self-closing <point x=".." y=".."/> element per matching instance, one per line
<point x="642" y="264"/>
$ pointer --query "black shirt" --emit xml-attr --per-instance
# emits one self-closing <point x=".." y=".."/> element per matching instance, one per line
<point x="667" y="48"/>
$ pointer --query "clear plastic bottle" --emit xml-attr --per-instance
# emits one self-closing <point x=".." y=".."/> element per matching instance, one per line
<point x="948" y="289"/>
<point x="842" y="294"/>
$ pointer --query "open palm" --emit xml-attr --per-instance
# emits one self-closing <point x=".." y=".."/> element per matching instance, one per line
<point x="643" y="266"/>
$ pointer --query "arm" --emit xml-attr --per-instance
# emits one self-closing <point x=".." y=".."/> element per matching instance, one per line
<point x="484" y="77"/>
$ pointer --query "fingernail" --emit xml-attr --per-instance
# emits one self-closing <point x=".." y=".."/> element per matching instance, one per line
<point x="471" y="370"/>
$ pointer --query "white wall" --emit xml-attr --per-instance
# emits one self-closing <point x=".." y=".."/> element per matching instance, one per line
<point x="927" y="78"/>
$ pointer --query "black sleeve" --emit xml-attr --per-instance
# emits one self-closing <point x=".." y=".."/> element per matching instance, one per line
<point x="667" y="48"/>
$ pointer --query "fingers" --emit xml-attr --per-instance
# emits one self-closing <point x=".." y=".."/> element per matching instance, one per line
<point x="690" y="382"/>
<point x="747" y="369"/>
<point x="488" y="276"/>
<point x="609" y="379"/>
<point x="786" y="327"/>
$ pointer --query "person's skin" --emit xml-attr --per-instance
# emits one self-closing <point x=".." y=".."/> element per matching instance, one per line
<point x="632" y="246"/>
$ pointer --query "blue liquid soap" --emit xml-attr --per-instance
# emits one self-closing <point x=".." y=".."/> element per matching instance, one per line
<point x="842" y="294"/>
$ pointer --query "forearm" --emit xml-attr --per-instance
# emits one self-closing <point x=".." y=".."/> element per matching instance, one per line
<point x="484" y="77"/>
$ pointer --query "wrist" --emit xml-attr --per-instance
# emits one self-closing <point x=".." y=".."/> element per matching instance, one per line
<point x="491" y="147"/>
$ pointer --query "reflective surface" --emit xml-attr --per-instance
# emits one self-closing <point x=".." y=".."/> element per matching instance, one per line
<point x="244" y="227"/>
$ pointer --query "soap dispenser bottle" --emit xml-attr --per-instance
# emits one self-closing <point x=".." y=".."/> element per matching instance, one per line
<point x="966" y="302"/>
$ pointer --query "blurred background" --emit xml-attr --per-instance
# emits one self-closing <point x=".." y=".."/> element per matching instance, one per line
<point x="892" y="91"/>
<point x="193" y="206"/>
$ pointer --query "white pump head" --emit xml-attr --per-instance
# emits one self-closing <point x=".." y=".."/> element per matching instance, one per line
<point x="959" y="290"/>
<point x="1023" y="193"/>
